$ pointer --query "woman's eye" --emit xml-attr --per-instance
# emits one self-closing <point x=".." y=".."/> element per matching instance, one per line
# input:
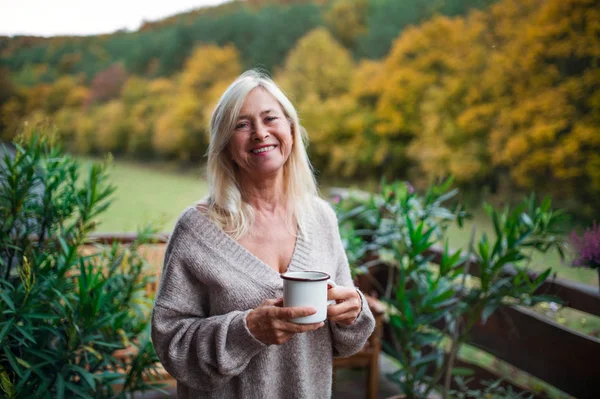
<point x="271" y="118"/>
<point x="243" y="125"/>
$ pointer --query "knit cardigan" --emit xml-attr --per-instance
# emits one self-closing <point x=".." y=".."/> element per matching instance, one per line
<point x="209" y="285"/>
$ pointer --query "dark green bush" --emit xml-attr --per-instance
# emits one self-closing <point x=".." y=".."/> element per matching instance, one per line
<point x="66" y="304"/>
<point x="429" y="304"/>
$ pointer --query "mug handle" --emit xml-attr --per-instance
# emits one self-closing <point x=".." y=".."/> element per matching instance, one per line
<point x="331" y="284"/>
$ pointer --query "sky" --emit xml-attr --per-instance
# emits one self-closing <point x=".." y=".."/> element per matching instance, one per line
<point x="86" y="17"/>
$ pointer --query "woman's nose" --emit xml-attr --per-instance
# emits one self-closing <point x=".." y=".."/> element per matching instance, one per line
<point x="261" y="133"/>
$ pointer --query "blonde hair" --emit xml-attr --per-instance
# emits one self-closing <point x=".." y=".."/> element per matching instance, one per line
<point x="225" y="204"/>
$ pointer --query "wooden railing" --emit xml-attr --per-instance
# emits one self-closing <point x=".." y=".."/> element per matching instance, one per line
<point x="558" y="355"/>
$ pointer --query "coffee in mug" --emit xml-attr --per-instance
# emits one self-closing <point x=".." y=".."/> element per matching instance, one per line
<point x="307" y="288"/>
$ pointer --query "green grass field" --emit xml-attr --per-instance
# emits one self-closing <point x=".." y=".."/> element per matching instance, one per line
<point x="148" y="194"/>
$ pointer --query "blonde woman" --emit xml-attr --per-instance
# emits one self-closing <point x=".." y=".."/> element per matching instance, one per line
<point x="219" y="326"/>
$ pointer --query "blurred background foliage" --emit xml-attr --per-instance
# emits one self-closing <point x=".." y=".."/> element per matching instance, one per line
<point x="504" y="95"/>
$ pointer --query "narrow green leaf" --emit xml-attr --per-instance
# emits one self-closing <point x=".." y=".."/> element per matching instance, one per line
<point x="60" y="387"/>
<point x="5" y="384"/>
<point x="12" y="360"/>
<point x="432" y="357"/>
<point x="25" y="333"/>
<point x="87" y="376"/>
<point x="23" y="362"/>
<point x="78" y="391"/>
<point x="462" y="371"/>
<point x="7" y="300"/>
<point x="6" y="328"/>
<point x="488" y="310"/>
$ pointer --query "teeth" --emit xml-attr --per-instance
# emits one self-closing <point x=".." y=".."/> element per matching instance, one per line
<point x="264" y="149"/>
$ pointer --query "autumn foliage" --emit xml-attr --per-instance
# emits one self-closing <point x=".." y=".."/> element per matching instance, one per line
<point x="506" y="96"/>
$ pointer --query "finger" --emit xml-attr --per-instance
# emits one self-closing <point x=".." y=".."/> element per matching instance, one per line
<point x="295" y="328"/>
<point x="269" y="302"/>
<point x="345" y="317"/>
<point x="341" y="308"/>
<point x="278" y="302"/>
<point x="341" y="293"/>
<point x="273" y="302"/>
<point x="291" y="312"/>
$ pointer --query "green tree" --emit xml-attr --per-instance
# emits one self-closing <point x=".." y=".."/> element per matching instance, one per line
<point x="346" y="19"/>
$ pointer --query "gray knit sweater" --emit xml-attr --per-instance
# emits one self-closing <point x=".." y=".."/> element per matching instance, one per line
<point x="208" y="286"/>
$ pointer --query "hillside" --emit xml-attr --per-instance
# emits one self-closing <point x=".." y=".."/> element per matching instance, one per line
<point x="504" y="97"/>
<point x="264" y="31"/>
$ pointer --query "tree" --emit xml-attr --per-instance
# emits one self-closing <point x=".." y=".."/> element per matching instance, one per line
<point x="107" y="84"/>
<point x="207" y="65"/>
<point x="548" y="129"/>
<point x="181" y="130"/>
<point x="347" y="20"/>
<point x="318" y="65"/>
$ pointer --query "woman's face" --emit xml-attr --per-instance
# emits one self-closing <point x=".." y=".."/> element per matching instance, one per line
<point x="262" y="138"/>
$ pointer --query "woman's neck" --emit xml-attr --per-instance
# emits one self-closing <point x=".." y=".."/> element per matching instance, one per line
<point x="265" y="195"/>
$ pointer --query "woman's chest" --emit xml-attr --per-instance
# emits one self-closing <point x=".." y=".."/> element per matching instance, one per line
<point x="273" y="245"/>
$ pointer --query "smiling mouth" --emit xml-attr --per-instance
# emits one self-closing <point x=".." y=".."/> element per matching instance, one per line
<point x="263" y="149"/>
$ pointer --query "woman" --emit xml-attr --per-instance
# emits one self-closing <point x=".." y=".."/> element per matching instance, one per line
<point x="219" y="326"/>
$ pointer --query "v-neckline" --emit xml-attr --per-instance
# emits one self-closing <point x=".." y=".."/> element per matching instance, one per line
<point x="299" y="254"/>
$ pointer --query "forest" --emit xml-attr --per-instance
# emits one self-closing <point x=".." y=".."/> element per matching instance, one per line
<point x="502" y="95"/>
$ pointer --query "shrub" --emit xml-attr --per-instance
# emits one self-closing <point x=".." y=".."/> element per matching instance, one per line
<point x="66" y="309"/>
<point x="429" y="304"/>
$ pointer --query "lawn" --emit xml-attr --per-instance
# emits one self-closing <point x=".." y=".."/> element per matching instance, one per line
<point x="149" y="193"/>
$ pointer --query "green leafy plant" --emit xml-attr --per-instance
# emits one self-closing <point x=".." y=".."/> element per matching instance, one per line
<point x="429" y="305"/>
<point x="67" y="305"/>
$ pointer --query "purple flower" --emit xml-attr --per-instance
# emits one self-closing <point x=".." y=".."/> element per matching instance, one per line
<point x="587" y="247"/>
<point x="336" y="199"/>
<point x="410" y="188"/>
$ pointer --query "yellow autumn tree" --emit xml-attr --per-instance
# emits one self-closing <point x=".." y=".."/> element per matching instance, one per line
<point x="318" y="65"/>
<point x="112" y="128"/>
<point x="181" y="129"/>
<point x="145" y="102"/>
<point x="347" y="20"/>
<point x="453" y="117"/>
<point x="317" y="74"/>
<point x="548" y="131"/>
<point x="419" y="96"/>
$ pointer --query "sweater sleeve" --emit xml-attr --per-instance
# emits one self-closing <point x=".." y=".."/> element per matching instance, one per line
<point x="347" y="340"/>
<point x="198" y="351"/>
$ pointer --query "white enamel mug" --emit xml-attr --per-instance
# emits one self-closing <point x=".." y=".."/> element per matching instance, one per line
<point x="307" y="288"/>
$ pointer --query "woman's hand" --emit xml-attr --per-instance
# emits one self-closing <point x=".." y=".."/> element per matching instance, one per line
<point x="348" y="305"/>
<point x="269" y="323"/>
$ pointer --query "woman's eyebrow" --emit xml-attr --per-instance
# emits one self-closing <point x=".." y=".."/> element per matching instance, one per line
<point x="266" y="111"/>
